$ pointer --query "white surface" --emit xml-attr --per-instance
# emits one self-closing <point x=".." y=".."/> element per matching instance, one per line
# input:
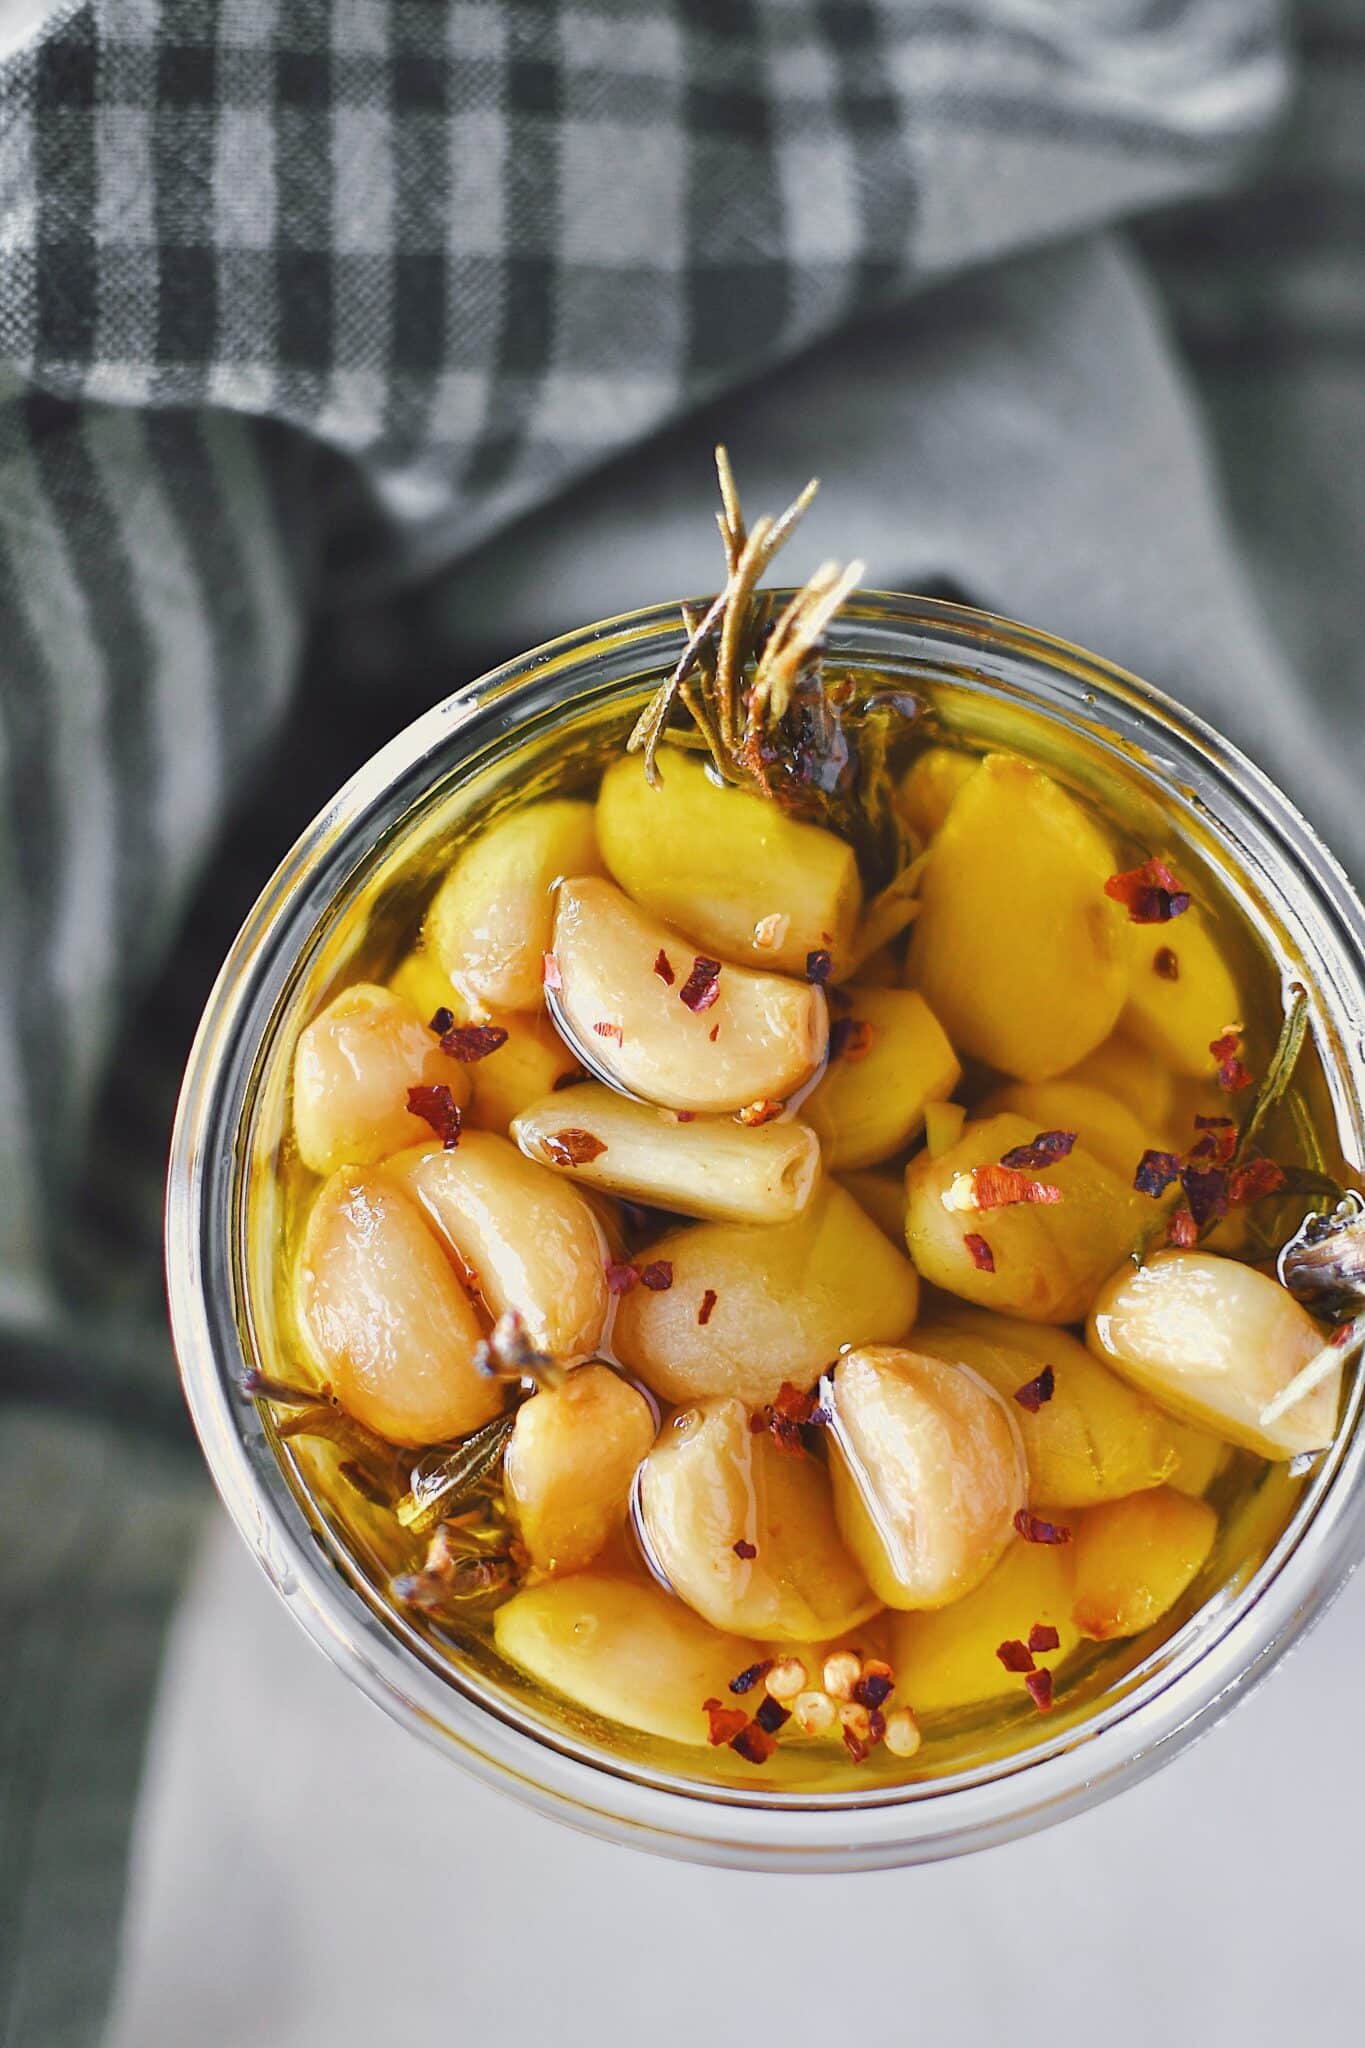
<point x="308" y="1873"/>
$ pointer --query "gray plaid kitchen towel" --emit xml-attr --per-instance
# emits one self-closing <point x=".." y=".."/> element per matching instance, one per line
<point x="314" y="313"/>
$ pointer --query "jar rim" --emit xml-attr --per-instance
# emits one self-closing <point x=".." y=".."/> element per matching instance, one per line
<point x="1177" y="1692"/>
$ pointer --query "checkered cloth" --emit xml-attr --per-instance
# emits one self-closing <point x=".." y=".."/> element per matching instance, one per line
<point x="302" y="304"/>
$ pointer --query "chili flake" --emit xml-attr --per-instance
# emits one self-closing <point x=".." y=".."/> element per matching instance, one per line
<point x="850" y="1038"/>
<point x="708" y="1302"/>
<point x="1034" y="1530"/>
<point x="876" y="1685"/>
<point x="979" y="1252"/>
<point x="573" y="1148"/>
<point x="714" y="1033"/>
<point x="744" y="1549"/>
<point x="1182" y="1230"/>
<point x="657" y="1276"/>
<point x="469" y="1042"/>
<point x="771" y="1714"/>
<point x="1150" y="894"/>
<point x="438" y="1107"/>
<point x="1232" y="1074"/>
<point x="620" y="1277"/>
<point x="549" y="971"/>
<point x="1206" y="1192"/>
<point x="1041" y="1151"/>
<point x="442" y="1021"/>
<point x="818" y="967"/>
<point x="1043" y="1636"/>
<point x="997" y="1187"/>
<point x="1155" y="1172"/>
<point x="610" y="1031"/>
<point x="754" y="1744"/>
<point x="748" y="1678"/>
<point x="1039" y="1687"/>
<point x="663" y="967"/>
<point x="724" y="1723"/>
<point x="755" y="1113"/>
<point x="1014" y="1655"/>
<point x="1256" y="1179"/>
<point x="1035" y="1392"/>
<point x="702" y="985"/>
<point x="1166" y="964"/>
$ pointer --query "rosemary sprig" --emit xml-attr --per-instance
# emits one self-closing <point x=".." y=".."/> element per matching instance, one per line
<point x="1280" y="1072"/>
<point x="467" y="1561"/>
<point x="444" y="1482"/>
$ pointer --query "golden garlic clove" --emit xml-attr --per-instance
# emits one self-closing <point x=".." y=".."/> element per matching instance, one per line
<point x="709" y="1166"/>
<point x="947" y="1659"/>
<point x="889" y="1059"/>
<point x="929" y="788"/>
<point x="727" y="867"/>
<point x="490" y="922"/>
<point x="570" y="1465"/>
<point x="928" y="1474"/>
<point x="748" y="1309"/>
<point x="1215" y="1342"/>
<point x="353" y="1067"/>
<point x="1181" y="993"/>
<point x="744" y="1530"/>
<point x="661" y="1023"/>
<point x="1135" y="1558"/>
<point x="528" y="1240"/>
<point x="387" y="1321"/>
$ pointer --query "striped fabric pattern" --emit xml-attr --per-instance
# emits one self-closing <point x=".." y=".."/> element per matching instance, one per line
<point x="302" y="300"/>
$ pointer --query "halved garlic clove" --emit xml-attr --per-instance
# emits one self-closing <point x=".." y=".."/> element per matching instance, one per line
<point x="644" y="1011"/>
<point x="928" y="1473"/>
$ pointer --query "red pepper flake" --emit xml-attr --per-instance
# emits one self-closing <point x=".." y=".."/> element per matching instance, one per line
<point x="1034" y="1530"/>
<point x="620" y="1277"/>
<point x="1253" y="1181"/>
<point x="610" y="1031"/>
<point x="1150" y="894"/>
<point x="1339" y="1339"/>
<point x="724" y="1722"/>
<point x="1218" y="1146"/>
<point x="1039" y="1686"/>
<point x="1041" y="1151"/>
<point x="1206" y="1192"/>
<point x="1166" y="963"/>
<point x="771" y="1714"/>
<point x="874" y="1688"/>
<point x="663" y="967"/>
<point x="573" y="1148"/>
<point x="469" y="1042"/>
<point x="745" y="1680"/>
<point x="755" y="1113"/>
<point x="1155" y="1172"/>
<point x="685" y="1116"/>
<point x="1034" y="1392"/>
<point x="1014" y="1655"/>
<point x="979" y="1252"/>
<point x="702" y="985"/>
<point x="786" y="1416"/>
<point x="438" y="1107"/>
<point x="708" y="1302"/>
<point x="744" y="1549"/>
<point x="657" y="1276"/>
<point x="549" y="971"/>
<point x="854" y="1743"/>
<point x="1232" y="1074"/>
<point x="442" y="1021"/>
<point x="818" y="967"/>
<point x="714" y="1033"/>
<point x="1000" y="1187"/>
<point x="754" y="1744"/>
<point x="850" y="1038"/>
<point x="1182" y="1230"/>
<point x="1043" y="1636"/>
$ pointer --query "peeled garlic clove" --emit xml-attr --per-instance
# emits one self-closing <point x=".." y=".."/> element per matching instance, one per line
<point x="622" y="978"/>
<point x="1106" y="1127"/>
<point x="1135" y="1558"/>
<point x="569" y="1466"/>
<point x="388" y="1323"/>
<point x="881" y="1195"/>
<point x="1041" y="1261"/>
<point x="929" y="787"/>
<point x="1093" y="1438"/>
<point x="1017" y="949"/>
<point x="624" y="1649"/>
<point x="892" y="1059"/>
<point x="1215" y="1341"/>
<point x="1181" y="993"/>
<point x="928" y="1474"/>
<point x="353" y="1067"/>
<point x="528" y="1240"/>
<point x="947" y="1658"/>
<point x="730" y="869"/>
<point x="489" y="924"/>
<point x="744" y="1531"/>
<point x="1200" y="1457"/>
<point x="749" y="1308"/>
<point x="711" y="1166"/>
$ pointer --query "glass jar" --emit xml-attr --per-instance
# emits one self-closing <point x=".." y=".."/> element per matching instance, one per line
<point x="376" y="849"/>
